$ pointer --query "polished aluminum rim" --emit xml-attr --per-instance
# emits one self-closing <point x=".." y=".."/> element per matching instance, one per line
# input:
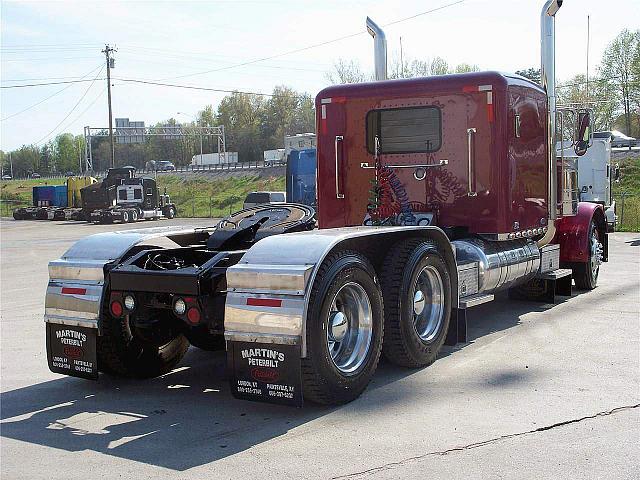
<point x="428" y="303"/>
<point x="596" y="253"/>
<point x="349" y="328"/>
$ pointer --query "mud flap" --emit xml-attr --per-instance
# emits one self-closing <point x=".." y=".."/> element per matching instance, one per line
<point x="265" y="372"/>
<point x="72" y="351"/>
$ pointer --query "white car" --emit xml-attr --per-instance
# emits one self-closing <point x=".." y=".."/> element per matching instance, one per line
<point x="260" y="198"/>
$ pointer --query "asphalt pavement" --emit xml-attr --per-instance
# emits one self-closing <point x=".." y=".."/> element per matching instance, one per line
<point x="538" y="391"/>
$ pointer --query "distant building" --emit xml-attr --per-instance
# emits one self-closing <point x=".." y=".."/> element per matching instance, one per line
<point x="129" y="132"/>
<point x="299" y="141"/>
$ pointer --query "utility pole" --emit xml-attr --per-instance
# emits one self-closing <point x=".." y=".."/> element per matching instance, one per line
<point x="11" y="164"/>
<point x="110" y="64"/>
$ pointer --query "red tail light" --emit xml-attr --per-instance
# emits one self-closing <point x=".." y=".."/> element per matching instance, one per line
<point x="116" y="309"/>
<point x="193" y="315"/>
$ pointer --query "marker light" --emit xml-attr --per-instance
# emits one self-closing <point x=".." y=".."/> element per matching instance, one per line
<point x="116" y="309"/>
<point x="180" y="307"/>
<point x="129" y="302"/>
<point x="193" y="315"/>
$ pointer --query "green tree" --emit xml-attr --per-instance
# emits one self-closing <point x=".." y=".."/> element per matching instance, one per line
<point x="620" y="68"/>
<point x="25" y="160"/>
<point x="533" y="74"/>
<point x="466" y="68"/>
<point x="596" y="95"/>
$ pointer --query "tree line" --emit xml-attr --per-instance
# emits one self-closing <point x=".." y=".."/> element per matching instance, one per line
<point x="254" y="123"/>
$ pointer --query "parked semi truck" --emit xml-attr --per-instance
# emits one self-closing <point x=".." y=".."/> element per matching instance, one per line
<point x="136" y="199"/>
<point x="433" y="194"/>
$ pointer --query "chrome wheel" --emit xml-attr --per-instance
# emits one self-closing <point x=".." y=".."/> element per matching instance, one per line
<point x="349" y="328"/>
<point x="596" y="252"/>
<point x="428" y="304"/>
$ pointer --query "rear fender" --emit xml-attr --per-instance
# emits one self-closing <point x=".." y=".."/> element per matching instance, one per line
<point x="269" y="289"/>
<point x="572" y="233"/>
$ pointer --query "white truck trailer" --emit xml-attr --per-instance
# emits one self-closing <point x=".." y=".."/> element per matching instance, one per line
<point x="207" y="159"/>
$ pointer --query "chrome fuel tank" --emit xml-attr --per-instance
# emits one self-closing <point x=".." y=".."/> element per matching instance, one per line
<point x="501" y="265"/>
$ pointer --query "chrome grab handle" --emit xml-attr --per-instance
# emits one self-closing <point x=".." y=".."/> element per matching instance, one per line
<point x="367" y="165"/>
<point x="470" y="132"/>
<point x="339" y="138"/>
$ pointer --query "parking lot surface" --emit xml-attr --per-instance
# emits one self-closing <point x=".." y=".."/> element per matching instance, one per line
<point x="538" y="391"/>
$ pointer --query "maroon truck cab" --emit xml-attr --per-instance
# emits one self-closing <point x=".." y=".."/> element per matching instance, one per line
<point x="487" y="129"/>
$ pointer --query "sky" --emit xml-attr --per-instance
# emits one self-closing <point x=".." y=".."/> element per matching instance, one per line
<point x="176" y="41"/>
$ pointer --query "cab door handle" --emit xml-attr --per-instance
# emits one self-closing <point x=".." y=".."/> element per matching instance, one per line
<point x="338" y="148"/>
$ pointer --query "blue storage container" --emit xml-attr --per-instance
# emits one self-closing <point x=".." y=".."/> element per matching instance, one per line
<point x="301" y="176"/>
<point x="50" y="196"/>
<point x="43" y="195"/>
<point x="60" y="196"/>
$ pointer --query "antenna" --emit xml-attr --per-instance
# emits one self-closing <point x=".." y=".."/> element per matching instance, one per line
<point x="587" y="79"/>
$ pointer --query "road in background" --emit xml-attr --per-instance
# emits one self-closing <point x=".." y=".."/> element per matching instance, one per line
<point x="539" y="391"/>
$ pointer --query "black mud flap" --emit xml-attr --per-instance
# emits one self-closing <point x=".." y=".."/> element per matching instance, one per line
<point x="265" y="372"/>
<point x="72" y="350"/>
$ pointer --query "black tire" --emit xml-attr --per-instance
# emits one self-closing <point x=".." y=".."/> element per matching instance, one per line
<point x="322" y="381"/>
<point x="583" y="274"/>
<point x="123" y="353"/>
<point x="205" y="341"/>
<point x="400" y="272"/>
<point x="171" y="213"/>
<point x="125" y="216"/>
<point x="134" y="216"/>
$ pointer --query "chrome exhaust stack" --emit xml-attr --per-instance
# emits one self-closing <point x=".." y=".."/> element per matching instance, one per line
<point x="548" y="78"/>
<point x="379" y="49"/>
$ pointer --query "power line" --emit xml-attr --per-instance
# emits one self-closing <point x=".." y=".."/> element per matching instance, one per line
<point x="43" y="59"/>
<point x="195" y="87"/>
<point x="73" y="77"/>
<point x="47" y="83"/>
<point x="72" y="110"/>
<point x="87" y="108"/>
<point x="309" y="47"/>
<point x="50" y="96"/>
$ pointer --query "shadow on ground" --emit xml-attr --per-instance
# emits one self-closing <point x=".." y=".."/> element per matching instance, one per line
<point x="188" y="418"/>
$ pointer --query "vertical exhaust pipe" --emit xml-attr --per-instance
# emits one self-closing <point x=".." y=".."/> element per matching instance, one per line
<point x="548" y="77"/>
<point x="379" y="49"/>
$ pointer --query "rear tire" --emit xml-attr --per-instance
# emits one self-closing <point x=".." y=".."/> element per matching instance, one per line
<point x="123" y="353"/>
<point x="416" y="289"/>
<point x="586" y="274"/>
<point x="125" y="216"/>
<point x="134" y="216"/>
<point x="344" y="330"/>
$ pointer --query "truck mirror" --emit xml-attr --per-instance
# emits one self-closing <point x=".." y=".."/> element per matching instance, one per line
<point x="616" y="174"/>
<point x="583" y="132"/>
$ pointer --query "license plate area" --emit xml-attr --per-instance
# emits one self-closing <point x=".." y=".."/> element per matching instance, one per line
<point x="71" y="350"/>
<point x="265" y="372"/>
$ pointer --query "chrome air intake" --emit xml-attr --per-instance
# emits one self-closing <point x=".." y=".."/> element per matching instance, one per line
<point x="501" y="265"/>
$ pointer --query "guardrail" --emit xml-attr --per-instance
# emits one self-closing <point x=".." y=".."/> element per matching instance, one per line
<point x="178" y="169"/>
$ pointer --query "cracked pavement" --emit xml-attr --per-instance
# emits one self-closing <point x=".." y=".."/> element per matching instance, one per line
<point x="537" y="392"/>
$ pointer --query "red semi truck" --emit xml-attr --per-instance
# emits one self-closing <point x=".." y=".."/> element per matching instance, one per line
<point x="433" y="194"/>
